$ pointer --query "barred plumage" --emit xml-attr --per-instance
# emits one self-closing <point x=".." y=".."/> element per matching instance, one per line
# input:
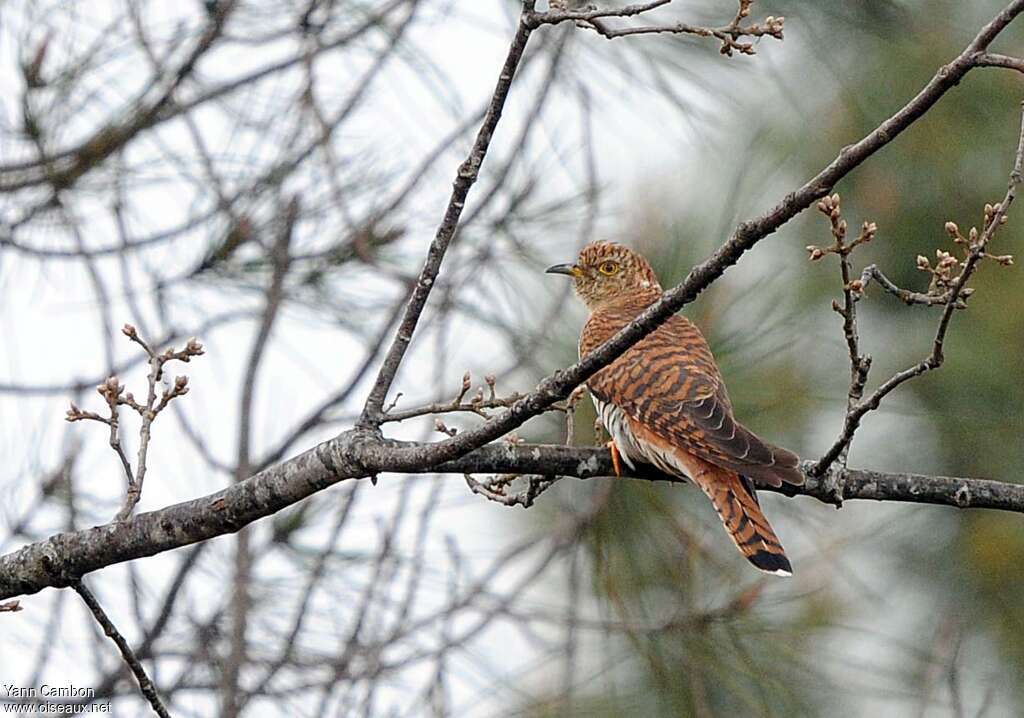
<point x="664" y="402"/>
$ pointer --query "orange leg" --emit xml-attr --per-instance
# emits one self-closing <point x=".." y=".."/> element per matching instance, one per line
<point x="615" y="458"/>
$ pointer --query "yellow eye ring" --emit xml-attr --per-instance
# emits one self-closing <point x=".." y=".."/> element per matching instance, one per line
<point x="608" y="268"/>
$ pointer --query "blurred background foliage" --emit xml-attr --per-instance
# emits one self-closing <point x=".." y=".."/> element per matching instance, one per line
<point x="934" y="588"/>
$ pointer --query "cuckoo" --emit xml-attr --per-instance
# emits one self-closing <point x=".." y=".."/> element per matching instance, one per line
<point x="663" y="402"/>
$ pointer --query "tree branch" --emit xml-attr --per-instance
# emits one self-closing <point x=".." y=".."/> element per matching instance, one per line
<point x="729" y="35"/>
<point x="872" y="272"/>
<point x="465" y="178"/>
<point x="469" y="170"/>
<point x="994" y="218"/>
<point x="558" y="385"/>
<point x="145" y="684"/>
<point x="63" y="169"/>
<point x="991" y="59"/>
<point x="63" y="559"/>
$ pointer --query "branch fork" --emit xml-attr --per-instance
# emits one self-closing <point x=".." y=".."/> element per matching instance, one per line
<point x="479" y="403"/>
<point x="115" y="396"/>
<point x="588" y="16"/>
<point x="947" y="288"/>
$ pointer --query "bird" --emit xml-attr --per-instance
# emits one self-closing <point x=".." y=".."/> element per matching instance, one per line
<point x="663" y="402"/>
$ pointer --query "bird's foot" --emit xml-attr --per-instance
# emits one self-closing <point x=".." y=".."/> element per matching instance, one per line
<point x="616" y="459"/>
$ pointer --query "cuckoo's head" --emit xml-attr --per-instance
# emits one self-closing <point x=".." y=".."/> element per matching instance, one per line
<point x="606" y="272"/>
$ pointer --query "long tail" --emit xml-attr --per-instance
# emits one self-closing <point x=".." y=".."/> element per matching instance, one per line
<point x="737" y="506"/>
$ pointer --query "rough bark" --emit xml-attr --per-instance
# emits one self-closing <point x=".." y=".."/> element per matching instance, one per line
<point x="64" y="558"/>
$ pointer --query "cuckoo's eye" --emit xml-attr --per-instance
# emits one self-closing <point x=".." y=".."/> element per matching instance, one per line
<point x="608" y="268"/>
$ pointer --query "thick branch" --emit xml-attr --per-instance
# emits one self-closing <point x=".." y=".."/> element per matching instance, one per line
<point x="63" y="559"/>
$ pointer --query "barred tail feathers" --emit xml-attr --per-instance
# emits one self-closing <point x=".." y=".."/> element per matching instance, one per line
<point x="741" y="514"/>
<point x="733" y="497"/>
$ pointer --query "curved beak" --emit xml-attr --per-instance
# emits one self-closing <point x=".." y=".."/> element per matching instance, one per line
<point x="570" y="270"/>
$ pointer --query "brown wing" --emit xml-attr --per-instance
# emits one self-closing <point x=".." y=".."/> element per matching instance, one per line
<point x="670" y="383"/>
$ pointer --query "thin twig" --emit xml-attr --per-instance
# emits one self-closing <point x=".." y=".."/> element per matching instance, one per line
<point x="873" y="273"/>
<point x="63" y="169"/>
<point x="729" y="35"/>
<point x="113" y="392"/>
<point x="975" y="253"/>
<point x="478" y="404"/>
<point x="860" y="364"/>
<point x="153" y="408"/>
<point x="465" y="178"/>
<point x="496" y="489"/>
<point x="145" y="684"/>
